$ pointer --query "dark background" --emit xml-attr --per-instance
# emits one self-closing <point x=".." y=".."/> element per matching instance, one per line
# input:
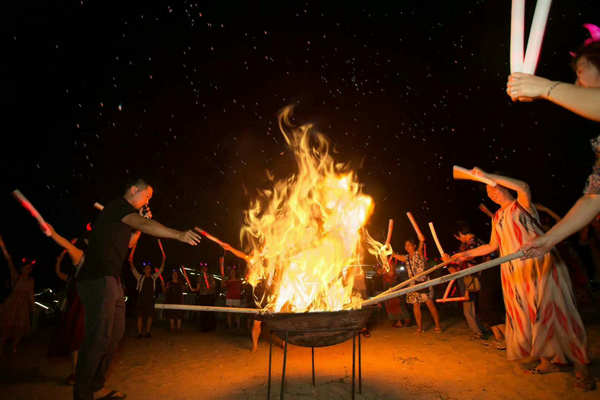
<point x="186" y="95"/>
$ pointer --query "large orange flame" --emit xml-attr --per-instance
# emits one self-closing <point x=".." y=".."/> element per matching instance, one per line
<point x="304" y="234"/>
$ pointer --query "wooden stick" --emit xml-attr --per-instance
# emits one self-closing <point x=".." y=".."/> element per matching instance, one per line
<point x="189" y="307"/>
<point x="447" y="291"/>
<point x="463" y="298"/>
<point x="225" y="246"/>
<point x="463" y="173"/>
<point x="411" y="280"/>
<point x="34" y="213"/>
<point x="415" y="226"/>
<point x="436" y="240"/>
<point x="446" y="278"/>
<point x="389" y="233"/>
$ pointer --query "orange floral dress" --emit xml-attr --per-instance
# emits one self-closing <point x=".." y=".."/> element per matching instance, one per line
<point x="541" y="317"/>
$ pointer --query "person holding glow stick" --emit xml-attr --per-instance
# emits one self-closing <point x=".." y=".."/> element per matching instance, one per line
<point x="581" y="97"/>
<point x="174" y="295"/>
<point x="415" y="264"/>
<point x="146" y="286"/>
<point x="542" y="321"/>
<point x="69" y="336"/>
<point x="14" y="312"/>
<point x="99" y="285"/>
<point x="206" y="289"/>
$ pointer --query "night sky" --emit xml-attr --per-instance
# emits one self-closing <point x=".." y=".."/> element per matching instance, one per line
<point x="186" y="95"/>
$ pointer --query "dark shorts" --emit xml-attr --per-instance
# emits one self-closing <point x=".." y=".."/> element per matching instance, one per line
<point x="145" y="307"/>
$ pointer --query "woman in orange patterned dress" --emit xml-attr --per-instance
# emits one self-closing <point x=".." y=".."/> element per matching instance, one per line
<point x="542" y="321"/>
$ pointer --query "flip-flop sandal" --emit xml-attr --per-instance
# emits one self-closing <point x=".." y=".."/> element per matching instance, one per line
<point x="113" y="395"/>
<point x="538" y="371"/>
<point x="585" y="383"/>
<point x="500" y="346"/>
<point x="436" y="330"/>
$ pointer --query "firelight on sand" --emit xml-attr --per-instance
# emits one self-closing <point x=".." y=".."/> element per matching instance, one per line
<point x="305" y="234"/>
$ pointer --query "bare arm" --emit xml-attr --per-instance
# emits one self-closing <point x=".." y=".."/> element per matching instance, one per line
<point x="522" y="188"/>
<point x="421" y="245"/>
<point x="582" y="101"/>
<point x="400" y="257"/>
<point x="74" y="252"/>
<point x="11" y="266"/>
<point x="482" y="250"/>
<point x="61" y="275"/>
<point x="157" y="229"/>
<point x="581" y="214"/>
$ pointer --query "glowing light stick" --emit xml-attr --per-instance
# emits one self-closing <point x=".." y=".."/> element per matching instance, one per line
<point x="527" y="63"/>
<point x="186" y="277"/>
<point x="389" y="234"/>
<point x="517" y="35"/>
<point x="98" y="206"/>
<point x="486" y="210"/>
<point x="446" y="278"/>
<point x="536" y="35"/>
<point x="463" y="173"/>
<point x="34" y="213"/>
<point x="415" y="226"/>
<point x="206" y="280"/>
<point x="435" y="238"/>
<point x="225" y="246"/>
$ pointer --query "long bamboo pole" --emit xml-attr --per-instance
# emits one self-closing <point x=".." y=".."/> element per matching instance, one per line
<point x="188" y="307"/>
<point x="445" y="278"/>
<point x="411" y="280"/>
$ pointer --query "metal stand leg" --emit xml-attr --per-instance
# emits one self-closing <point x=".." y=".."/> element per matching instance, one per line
<point x="284" y="361"/>
<point x="353" y="361"/>
<point x="313" y="364"/>
<point x="359" y="367"/>
<point x="269" y="381"/>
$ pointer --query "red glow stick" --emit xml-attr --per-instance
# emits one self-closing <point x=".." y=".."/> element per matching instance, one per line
<point x="185" y="276"/>
<point x="224" y="245"/>
<point x="34" y="213"/>
<point x="160" y="275"/>
<point x="206" y="280"/>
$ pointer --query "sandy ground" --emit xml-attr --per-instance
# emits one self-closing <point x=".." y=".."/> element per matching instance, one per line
<point x="397" y="364"/>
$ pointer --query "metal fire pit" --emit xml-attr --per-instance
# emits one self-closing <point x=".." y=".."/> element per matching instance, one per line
<point x="317" y="329"/>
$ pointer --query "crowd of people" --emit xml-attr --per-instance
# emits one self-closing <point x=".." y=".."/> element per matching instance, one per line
<point x="529" y="307"/>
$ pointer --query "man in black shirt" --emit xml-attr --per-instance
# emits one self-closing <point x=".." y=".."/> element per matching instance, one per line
<point x="100" y="289"/>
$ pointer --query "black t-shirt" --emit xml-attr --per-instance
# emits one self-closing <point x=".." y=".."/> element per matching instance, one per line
<point x="108" y="244"/>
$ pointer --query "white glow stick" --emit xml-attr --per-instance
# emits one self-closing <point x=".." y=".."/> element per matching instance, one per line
<point x="98" y="206"/>
<point x="536" y="35"/>
<point x="389" y="233"/>
<point x="414" y="224"/>
<point x="436" y="240"/>
<point x="34" y="213"/>
<point x="463" y="173"/>
<point x="517" y="35"/>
